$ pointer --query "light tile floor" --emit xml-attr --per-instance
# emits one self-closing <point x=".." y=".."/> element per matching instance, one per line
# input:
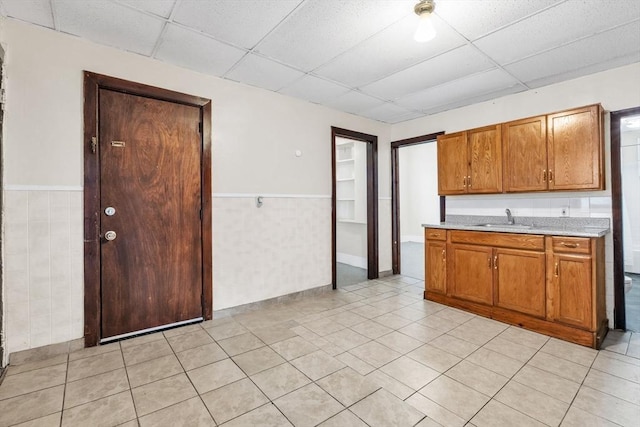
<point x="372" y="354"/>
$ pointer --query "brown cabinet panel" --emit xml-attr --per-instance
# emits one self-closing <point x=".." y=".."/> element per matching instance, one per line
<point x="575" y="245"/>
<point x="505" y="240"/>
<point x="575" y="148"/>
<point x="572" y="288"/>
<point x="470" y="273"/>
<point x="436" y="266"/>
<point x="519" y="281"/>
<point x="524" y="144"/>
<point x="435" y="234"/>
<point x="485" y="160"/>
<point x="452" y="163"/>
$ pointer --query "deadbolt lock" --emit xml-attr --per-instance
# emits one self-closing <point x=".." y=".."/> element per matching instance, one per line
<point x="110" y="235"/>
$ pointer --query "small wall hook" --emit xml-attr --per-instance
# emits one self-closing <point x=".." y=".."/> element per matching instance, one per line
<point x="259" y="202"/>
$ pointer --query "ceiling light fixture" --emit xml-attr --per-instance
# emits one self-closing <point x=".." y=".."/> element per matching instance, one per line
<point x="425" y="30"/>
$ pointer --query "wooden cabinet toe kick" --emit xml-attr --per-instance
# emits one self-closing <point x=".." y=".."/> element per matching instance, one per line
<point x="584" y="337"/>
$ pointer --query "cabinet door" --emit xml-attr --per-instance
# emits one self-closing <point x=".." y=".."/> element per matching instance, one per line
<point x="485" y="160"/>
<point x="470" y="273"/>
<point x="436" y="266"/>
<point x="575" y="149"/>
<point x="452" y="163"/>
<point x="524" y="145"/>
<point x="572" y="299"/>
<point x="519" y="281"/>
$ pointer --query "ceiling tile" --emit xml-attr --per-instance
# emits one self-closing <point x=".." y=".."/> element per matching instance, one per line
<point x="620" y="43"/>
<point x="386" y="112"/>
<point x="196" y="51"/>
<point x="391" y="50"/>
<point x="476" y="99"/>
<point x="314" y="89"/>
<point x="459" y="90"/>
<point x="555" y="26"/>
<point x="35" y="11"/>
<point x="448" y="66"/>
<point x="257" y="71"/>
<point x="323" y="29"/>
<point x="473" y="18"/>
<point x="242" y="23"/>
<point x="354" y="102"/>
<point x="110" y="24"/>
<point x="161" y="8"/>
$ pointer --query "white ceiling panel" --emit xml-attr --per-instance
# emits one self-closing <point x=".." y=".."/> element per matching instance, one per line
<point x="619" y="43"/>
<point x="314" y="89"/>
<point x="321" y="30"/>
<point x="387" y="112"/>
<point x="359" y="56"/>
<point x="458" y="90"/>
<point x="476" y="99"/>
<point x="196" y="51"/>
<point x="35" y="11"/>
<point x="449" y="66"/>
<point x="161" y="8"/>
<point x="389" y="51"/>
<point x="473" y="18"/>
<point x="110" y="24"/>
<point x="242" y="23"/>
<point x="557" y="25"/>
<point x="354" y="102"/>
<point x="257" y="71"/>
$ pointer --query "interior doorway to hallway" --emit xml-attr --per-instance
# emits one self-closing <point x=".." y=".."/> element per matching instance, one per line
<point x="414" y="201"/>
<point x="354" y="247"/>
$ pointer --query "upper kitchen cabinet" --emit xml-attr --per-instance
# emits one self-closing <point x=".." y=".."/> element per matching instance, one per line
<point x="575" y="149"/>
<point x="555" y="152"/>
<point x="470" y="162"/>
<point x="524" y="144"/>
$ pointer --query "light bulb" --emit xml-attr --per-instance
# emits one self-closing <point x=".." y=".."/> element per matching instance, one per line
<point x="425" y="30"/>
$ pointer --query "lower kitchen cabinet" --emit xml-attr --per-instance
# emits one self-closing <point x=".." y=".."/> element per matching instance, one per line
<point x="553" y="285"/>
<point x="519" y="283"/>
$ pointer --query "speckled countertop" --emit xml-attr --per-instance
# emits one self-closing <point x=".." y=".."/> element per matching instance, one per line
<point x="578" y="227"/>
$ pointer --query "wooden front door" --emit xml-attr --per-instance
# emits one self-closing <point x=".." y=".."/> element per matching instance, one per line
<point x="150" y="213"/>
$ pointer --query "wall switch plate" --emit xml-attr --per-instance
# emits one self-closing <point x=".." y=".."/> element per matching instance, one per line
<point x="564" y="211"/>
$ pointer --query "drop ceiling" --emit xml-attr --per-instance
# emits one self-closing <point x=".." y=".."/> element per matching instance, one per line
<point x="359" y="56"/>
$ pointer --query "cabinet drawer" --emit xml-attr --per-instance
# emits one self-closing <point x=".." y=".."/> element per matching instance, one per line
<point x="503" y="240"/>
<point x="574" y="245"/>
<point x="435" y="234"/>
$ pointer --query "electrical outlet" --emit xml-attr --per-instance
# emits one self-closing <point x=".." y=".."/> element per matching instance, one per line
<point x="564" y="211"/>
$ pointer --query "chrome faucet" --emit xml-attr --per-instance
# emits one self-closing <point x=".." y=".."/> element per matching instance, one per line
<point x="510" y="220"/>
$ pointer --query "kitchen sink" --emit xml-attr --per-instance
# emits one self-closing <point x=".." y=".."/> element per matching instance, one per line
<point x="520" y="226"/>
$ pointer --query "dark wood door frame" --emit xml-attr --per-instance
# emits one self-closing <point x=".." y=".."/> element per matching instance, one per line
<point x="372" y="200"/>
<point x="619" y="314"/>
<point x="395" y="194"/>
<point x="92" y="297"/>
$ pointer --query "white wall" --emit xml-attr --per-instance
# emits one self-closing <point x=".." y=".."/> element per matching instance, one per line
<point x="630" y="170"/>
<point x="419" y="200"/>
<point x="283" y="247"/>
<point x="615" y="89"/>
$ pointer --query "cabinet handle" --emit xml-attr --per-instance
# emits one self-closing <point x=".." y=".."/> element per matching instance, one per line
<point x="495" y="262"/>
<point x="469" y="181"/>
<point x="464" y="182"/>
<point x="557" y="270"/>
<point x="444" y="255"/>
<point x="489" y="260"/>
<point x="570" y="245"/>
<point x="550" y="176"/>
<point x="544" y="175"/>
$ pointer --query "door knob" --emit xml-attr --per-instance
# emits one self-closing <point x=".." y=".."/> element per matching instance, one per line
<point x="110" y="235"/>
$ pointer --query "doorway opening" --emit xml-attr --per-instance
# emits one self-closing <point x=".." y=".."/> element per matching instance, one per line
<point x="354" y="243"/>
<point x="147" y="208"/>
<point x="625" y="183"/>
<point x="414" y="201"/>
<point x="2" y="337"/>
